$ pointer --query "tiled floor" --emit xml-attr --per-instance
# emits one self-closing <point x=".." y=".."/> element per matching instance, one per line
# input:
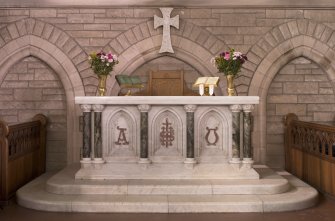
<point x="325" y="210"/>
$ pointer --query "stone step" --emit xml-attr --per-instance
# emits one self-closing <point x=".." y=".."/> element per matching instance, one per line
<point x="164" y="171"/>
<point x="64" y="183"/>
<point x="35" y="196"/>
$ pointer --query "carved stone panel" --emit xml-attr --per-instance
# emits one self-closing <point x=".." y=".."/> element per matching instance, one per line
<point x="213" y="127"/>
<point x="121" y="128"/>
<point x="167" y="134"/>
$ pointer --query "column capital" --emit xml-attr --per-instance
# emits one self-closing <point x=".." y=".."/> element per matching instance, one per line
<point x="235" y="108"/>
<point x="98" y="107"/>
<point x="247" y="107"/>
<point x="190" y="107"/>
<point x="144" y="107"/>
<point x="86" y="107"/>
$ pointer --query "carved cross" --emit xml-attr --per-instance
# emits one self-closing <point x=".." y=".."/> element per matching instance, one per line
<point x="166" y="22"/>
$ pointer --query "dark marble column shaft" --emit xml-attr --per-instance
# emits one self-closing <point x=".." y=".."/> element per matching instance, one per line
<point x="236" y="135"/>
<point x="190" y="134"/>
<point x="86" y="152"/>
<point x="144" y="148"/>
<point x="247" y="152"/>
<point x="144" y="133"/>
<point x="98" y="108"/>
<point x="97" y="135"/>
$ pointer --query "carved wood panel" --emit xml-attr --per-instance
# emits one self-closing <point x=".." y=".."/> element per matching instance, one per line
<point x="166" y="83"/>
<point x="310" y="152"/>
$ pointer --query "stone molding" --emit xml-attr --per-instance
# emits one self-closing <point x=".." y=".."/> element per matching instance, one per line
<point x="86" y="107"/>
<point x="144" y="107"/>
<point x="247" y="107"/>
<point x="190" y="108"/>
<point x="316" y="37"/>
<point x="57" y="38"/>
<point x="98" y="107"/>
<point x="235" y="108"/>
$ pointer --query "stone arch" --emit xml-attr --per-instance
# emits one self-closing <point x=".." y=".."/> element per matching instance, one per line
<point x="51" y="35"/>
<point x="282" y="44"/>
<point x="140" y="44"/>
<point x="30" y="37"/>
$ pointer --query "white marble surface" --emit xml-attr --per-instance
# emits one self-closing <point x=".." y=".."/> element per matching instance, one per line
<point x="64" y="183"/>
<point x="210" y="117"/>
<point x="34" y="196"/>
<point x="166" y="171"/>
<point x="167" y="100"/>
<point x="176" y="116"/>
<point x="123" y="117"/>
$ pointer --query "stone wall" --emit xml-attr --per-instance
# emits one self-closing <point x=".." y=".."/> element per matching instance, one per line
<point x="270" y="37"/>
<point x="300" y="87"/>
<point x="31" y="87"/>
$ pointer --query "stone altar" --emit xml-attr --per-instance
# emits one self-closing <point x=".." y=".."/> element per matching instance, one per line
<point x="167" y="137"/>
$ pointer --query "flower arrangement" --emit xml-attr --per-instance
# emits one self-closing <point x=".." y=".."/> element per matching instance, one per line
<point x="102" y="63"/>
<point x="229" y="62"/>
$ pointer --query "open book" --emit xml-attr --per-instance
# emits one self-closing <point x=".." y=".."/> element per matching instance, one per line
<point x="126" y="81"/>
<point x="206" y="81"/>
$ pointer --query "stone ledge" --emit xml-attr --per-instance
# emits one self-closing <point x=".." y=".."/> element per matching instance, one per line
<point x="34" y="196"/>
<point x="64" y="183"/>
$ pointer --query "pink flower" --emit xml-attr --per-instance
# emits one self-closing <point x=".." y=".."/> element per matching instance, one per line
<point x="109" y="56"/>
<point x="227" y="56"/>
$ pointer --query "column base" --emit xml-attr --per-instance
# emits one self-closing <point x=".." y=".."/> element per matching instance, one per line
<point x="144" y="161"/>
<point x="189" y="163"/>
<point x="97" y="163"/>
<point x="235" y="161"/>
<point x="247" y="163"/>
<point x="98" y="160"/>
<point x="85" y="163"/>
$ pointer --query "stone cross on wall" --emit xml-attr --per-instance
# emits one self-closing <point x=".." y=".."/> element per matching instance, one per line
<point x="166" y="22"/>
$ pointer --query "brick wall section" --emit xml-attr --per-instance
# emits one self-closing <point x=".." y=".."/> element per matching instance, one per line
<point x="214" y="29"/>
<point x="31" y="87"/>
<point x="300" y="87"/>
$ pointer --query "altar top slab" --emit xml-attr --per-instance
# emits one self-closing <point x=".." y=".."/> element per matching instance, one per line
<point x="167" y="100"/>
<point x="180" y="3"/>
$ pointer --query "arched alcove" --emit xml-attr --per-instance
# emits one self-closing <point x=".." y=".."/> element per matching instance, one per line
<point x="266" y="72"/>
<point x="31" y="87"/>
<point x="299" y="87"/>
<point x="30" y="45"/>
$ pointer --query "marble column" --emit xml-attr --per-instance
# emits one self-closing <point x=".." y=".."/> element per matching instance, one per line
<point x="247" y="149"/>
<point x="97" y="109"/>
<point x="190" y="134"/>
<point x="236" y="112"/>
<point x="144" y="147"/>
<point x="86" y="151"/>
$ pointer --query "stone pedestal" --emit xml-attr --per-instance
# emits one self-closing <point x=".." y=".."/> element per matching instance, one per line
<point x="165" y="137"/>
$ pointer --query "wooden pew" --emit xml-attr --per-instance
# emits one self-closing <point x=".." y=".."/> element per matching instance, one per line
<point x="22" y="154"/>
<point x="310" y="152"/>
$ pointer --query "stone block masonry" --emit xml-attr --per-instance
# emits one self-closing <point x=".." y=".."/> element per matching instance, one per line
<point x="305" y="82"/>
<point x="303" y="88"/>
<point x="32" y="87"/>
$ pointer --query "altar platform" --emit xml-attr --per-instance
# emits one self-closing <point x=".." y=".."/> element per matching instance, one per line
<point x="167" y="155"/>
<point x="273" y="192"/>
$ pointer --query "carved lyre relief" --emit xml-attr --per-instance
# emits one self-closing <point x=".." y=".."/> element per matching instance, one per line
<point x="209" y="137"/>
